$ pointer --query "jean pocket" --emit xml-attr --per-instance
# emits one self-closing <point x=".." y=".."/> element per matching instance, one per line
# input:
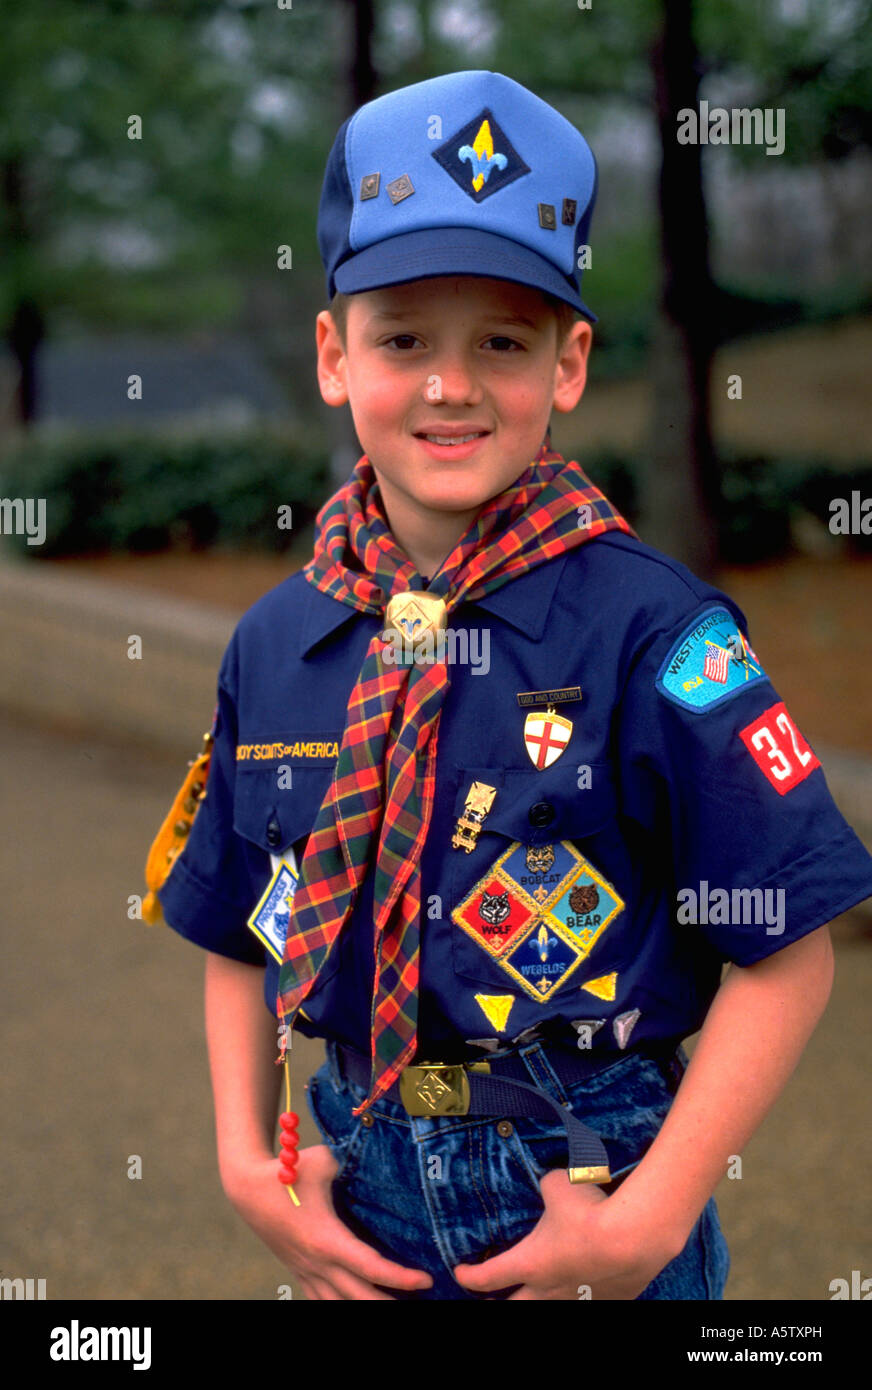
<point x="715" y="1250"/>
<point x="342" y="1132"/>
<point x="624" y="1104"/>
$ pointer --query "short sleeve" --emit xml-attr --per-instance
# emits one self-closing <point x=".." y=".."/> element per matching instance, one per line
<point x="731" y="798"/>
<point x="209" y="893"/>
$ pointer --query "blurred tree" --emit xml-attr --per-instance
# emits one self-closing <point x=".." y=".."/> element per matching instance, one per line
<point x="360" y="87"/>
<point x="680" y="486"/>
<point x="647" y="58"/>
<point x="239" y="101"/>
<point x="179" y="226"/>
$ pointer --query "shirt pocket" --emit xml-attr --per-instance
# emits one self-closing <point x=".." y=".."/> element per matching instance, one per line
<point x="275" y="813"/>
<point x="512" y="926"/>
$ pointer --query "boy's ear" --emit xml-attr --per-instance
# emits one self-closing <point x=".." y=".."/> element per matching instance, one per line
<point x="331" y="360"/>
<point x="570" y="376"/>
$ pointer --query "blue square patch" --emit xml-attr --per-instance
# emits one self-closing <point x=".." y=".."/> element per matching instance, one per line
<point x="586" y="907"/>
<point x="481" y="158"/>
<point x="543" y="961"/>
<point x="539" y="869"/>
<point x="270" y="919"/>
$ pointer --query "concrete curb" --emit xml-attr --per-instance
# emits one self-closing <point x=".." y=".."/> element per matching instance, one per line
<point x="64" y="644"/>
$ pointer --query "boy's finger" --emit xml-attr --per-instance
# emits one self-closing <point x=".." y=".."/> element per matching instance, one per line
<point x="360" y="1259"/>
<point x="347" y="1285"/>
<point x="496" y="1273"/>
<point x="321" y="1290"/>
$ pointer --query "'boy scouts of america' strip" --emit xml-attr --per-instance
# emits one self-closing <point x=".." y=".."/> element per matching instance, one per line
<point x="321" y="749"/>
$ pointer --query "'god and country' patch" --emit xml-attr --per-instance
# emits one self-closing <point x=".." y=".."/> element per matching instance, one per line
<point x="481" y="158"/>
<point x="711" y="662"/>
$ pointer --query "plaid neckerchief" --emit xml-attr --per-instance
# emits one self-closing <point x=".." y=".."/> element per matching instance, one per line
<point x="380" y="799"/>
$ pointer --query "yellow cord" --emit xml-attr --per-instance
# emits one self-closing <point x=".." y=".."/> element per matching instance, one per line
<point x="291" y="1193"/>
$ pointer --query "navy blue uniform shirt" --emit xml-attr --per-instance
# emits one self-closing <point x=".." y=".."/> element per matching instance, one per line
<point x="686" y="823"/>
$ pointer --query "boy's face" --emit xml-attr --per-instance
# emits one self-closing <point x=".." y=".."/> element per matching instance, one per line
<point x="444" y="359"/>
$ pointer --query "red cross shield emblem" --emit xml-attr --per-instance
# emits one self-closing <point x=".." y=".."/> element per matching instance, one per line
<point x="545" y="737"/>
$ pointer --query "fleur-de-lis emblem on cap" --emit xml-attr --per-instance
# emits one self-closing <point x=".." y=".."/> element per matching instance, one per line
<point x="480" y="154"/>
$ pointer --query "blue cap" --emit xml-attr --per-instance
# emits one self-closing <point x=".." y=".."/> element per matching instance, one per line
<point x="466" y="174"/>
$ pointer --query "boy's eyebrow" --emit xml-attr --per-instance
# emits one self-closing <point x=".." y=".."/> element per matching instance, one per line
<point x="404" y="315"/>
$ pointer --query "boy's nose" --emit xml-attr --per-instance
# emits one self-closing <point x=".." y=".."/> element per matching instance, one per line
<point x="454" y="381"/>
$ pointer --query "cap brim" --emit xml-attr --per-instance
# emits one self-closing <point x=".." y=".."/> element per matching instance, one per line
<point x="435" y="251"/>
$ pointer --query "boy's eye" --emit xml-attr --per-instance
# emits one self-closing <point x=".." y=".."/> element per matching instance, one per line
<point x="403" y="340"/>
<point x="503" y="344"/>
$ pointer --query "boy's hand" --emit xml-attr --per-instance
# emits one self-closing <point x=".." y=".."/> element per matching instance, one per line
<point x="327" y="1258"/>
<point x="583" y="1238"/>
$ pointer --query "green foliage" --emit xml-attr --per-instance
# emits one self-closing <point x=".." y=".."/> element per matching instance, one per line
<point x="760" y="498"/>
<point x="112" y="491"/>
<point x="143" y="492"/>
<point x="814" y="59"/>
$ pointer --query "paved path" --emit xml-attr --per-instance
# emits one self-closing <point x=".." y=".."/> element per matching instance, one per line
<point x="104" y="1057"/>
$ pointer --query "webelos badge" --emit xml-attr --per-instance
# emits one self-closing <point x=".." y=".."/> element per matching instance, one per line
<point x="480" y="157"/>
<point x="270" y="919"/>
<point x="547" y="734"/>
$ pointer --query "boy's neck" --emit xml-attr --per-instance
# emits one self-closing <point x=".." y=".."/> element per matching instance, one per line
<point x="427" y="540"/>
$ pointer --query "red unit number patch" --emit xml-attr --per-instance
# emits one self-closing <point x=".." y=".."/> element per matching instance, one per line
<point x="778" y="748"/>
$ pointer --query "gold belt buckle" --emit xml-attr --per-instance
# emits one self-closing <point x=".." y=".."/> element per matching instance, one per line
<point x="437" y="1088"/>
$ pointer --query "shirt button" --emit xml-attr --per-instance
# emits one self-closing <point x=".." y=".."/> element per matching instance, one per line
<point x="367" y="1120"/>
<point x="505" y="1128"/>
<point x="273" y="834"/>
<point x="541" y="814"/>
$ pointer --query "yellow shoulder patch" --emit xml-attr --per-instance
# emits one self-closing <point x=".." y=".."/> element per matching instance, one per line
<point x="172" y="836"/>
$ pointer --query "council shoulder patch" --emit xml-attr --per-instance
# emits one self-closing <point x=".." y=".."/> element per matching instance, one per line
<point x="710" y="663"/>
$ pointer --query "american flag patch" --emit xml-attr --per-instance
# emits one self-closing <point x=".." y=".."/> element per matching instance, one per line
<point x="717" y="664"/>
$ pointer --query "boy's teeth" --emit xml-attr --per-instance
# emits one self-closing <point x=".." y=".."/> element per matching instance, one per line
<point x="453" y="439"/>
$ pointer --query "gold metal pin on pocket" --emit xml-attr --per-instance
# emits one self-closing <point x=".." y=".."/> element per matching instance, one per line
<point x="479" y="800"/>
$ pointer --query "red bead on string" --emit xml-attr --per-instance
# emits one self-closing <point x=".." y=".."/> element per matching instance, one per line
<point x="289" y="1139"/>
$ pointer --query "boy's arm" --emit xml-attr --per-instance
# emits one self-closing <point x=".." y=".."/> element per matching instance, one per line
<point x="753" y="1037"/>
<point x="329" y="1261"/>
<point x="241" y="1038"/>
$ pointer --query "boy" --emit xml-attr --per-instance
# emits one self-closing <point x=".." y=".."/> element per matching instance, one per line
<point x="499" y="786"/>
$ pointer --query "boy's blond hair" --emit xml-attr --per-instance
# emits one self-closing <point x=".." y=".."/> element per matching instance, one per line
<point x="563" y="313"/>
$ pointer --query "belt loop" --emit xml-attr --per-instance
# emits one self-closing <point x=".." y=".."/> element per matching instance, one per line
<point x="333" y="1067"/>
<point x="535" y="1059"/>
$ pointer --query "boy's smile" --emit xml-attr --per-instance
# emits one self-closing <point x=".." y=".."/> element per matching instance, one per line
<point x="451" y="382"/>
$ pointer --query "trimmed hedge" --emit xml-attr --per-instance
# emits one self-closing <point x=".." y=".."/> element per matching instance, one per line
<point x="150" y="491"/>
<point x="760" y="498"/>
<point x="147" y="491"/>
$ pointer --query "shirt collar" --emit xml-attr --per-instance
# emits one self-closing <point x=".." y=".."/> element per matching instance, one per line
<point x="524" y="603"/>
<point x="323" y="615"/>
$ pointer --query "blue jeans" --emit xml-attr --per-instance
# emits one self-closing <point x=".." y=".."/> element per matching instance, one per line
<point x="433" y="1193"/>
